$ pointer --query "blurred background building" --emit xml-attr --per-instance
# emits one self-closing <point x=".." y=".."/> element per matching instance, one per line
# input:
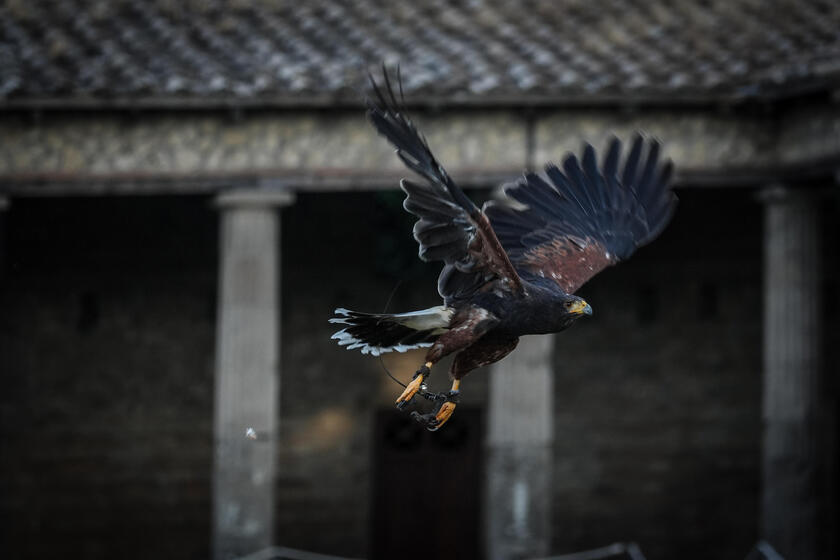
<point x="174" y="174"/>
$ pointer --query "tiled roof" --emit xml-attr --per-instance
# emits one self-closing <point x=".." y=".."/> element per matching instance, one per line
<point x="317" y="51"/>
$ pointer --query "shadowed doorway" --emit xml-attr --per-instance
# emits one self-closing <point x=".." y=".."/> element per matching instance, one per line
<point x="427" y="487"/>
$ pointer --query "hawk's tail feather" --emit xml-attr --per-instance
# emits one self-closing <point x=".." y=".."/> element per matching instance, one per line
<point x="377" y="333"/>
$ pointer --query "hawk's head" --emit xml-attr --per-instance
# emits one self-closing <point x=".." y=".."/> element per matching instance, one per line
<point x="575" y="307"/>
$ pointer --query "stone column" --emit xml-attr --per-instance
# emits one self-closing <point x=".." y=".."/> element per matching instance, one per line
<point x="247" y="372"/>
<point x="519" y="452"/>
<point x="792" y="339"/>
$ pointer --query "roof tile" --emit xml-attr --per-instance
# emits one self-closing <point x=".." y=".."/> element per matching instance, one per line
<point x="263" y="50"/>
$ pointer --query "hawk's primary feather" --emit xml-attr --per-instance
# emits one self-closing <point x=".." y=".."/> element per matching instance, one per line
<point x="577" y="221"/>
<point x="451" y="228"/>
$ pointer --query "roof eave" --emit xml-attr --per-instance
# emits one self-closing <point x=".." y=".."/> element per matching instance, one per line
<point x="352" y="99"/>
<point x="332" y="101"/>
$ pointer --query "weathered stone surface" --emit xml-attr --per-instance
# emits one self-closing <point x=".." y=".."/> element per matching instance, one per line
<point x="165" y="144"/>
<point x="809" y="133"/>
<point x="99" y="152"/>
<point x="692" y="139"/>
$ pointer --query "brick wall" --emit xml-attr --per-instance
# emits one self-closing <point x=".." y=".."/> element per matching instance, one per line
<point x="658" y="396"/>
<point x="106" y="338"/>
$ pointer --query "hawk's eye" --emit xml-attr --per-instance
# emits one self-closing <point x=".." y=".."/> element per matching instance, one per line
<point x="568" y="304"/>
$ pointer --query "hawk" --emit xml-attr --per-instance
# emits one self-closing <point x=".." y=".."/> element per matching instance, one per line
<point x="512" y="267"/>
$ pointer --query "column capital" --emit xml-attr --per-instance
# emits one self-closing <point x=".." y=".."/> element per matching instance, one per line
<point x="781" y="193"/>
<point x="254" y="198"/>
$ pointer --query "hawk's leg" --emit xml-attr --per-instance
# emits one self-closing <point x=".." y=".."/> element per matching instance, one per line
<point x="417" y="384"/>
<point x="481" y="353"/>
<point x="467" y="326"/>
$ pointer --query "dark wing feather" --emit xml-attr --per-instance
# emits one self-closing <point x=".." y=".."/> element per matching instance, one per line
<point x="582" y="218"/>
<point x="450" y="227"/>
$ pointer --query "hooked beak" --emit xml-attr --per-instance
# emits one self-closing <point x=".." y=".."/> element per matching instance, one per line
<point x="580" y="308"/>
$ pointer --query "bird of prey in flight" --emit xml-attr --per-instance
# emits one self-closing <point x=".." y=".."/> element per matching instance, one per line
<point x="512" y="267"/>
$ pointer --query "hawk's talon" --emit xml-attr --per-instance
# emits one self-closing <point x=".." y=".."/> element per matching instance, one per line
<point x="402" y="404"/>
<point x="444" y="413"/>
<point x="445" y="404"/>
<point x="428" y="421"/>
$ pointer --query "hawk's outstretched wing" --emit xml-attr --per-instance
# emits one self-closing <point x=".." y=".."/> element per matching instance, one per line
<point x="582" y="218"/>
<point x="451" y="228"/>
